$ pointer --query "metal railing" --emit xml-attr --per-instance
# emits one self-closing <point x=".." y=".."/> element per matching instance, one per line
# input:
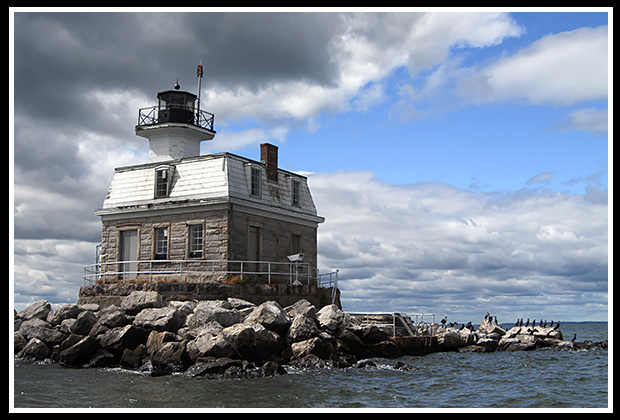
<point x="179" y="271"/>
<point x="151" y="116"/>
<point x="382" y="319"/>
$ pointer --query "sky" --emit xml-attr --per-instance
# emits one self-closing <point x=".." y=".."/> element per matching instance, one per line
<point x="461" y="159"/>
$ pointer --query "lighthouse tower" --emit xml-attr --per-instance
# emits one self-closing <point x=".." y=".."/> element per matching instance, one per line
<point x="176" y="126"/>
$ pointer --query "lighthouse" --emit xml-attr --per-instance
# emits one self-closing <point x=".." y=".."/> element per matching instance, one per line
<point x="176" y="126"/>
<point x="197" y="226"/>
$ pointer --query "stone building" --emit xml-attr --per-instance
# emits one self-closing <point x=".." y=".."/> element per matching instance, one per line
<point x="221" y="218"/>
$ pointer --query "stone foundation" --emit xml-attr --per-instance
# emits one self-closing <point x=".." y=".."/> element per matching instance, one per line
<point x="285" y="294"/>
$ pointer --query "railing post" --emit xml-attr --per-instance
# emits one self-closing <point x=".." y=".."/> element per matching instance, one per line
<point x="269" y="272"/>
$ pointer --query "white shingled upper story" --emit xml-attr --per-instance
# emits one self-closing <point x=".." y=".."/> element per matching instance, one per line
<point x="201" y="179"/>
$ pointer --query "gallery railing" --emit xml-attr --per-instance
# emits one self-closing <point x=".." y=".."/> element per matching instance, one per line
<point x="234" y="272"/>
<point x="161" y="114"/>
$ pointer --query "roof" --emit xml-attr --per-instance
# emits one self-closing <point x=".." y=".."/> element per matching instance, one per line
<point x="204" y="179"/>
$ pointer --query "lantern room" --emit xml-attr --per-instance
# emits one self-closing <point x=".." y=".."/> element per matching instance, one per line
<point x="176" y="126"/>
<point x="176" y="106"/>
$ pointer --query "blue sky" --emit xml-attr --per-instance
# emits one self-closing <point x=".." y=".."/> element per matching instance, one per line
<point x="460" y="159"/>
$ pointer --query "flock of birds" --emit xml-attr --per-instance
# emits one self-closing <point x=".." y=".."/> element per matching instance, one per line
<point x="519" y="323"/>
<point x="542" y="323"/>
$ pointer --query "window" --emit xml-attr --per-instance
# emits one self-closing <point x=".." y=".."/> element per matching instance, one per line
<point x="162" y="183"/>
<point x="255" y="181"/>
<point x="161" y="243"/>
<point x="195" y="241"/>
<point x="295" y="244"/>
<point x="296" y="193"/>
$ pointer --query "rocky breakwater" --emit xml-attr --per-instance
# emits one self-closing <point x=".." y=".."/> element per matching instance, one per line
<point x="230" y="338"/>
<point x="491" y="337"/>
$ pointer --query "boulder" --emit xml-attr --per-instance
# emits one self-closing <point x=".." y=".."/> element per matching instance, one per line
<point x="354" y="344"/>
<point x="517" y="343"/>
<point x="228" y="317"/>
<point x="170" y="357"/>
<point x="239" y="304"/>
<point x="19" y="342"/>
<point x="301" y="307"/>
<point x="451" y="339"/>
<point x="84" y="323"/>
<point x="109" y="317"/>
<point x="39" y="309"/>
<point x="56" y="316"/>
<point x="138" y="300"/>
<point x="134" y="359"/>
<point x="488" y="327"/>
<point x="203" y="314"/>
<point x="35" y="349"/>
<point x="271" y="316"/>
<point x="159" y="319"/>
<point x="118" y="339"/>
<point x="321" y="346"/>
<point x="488" y="344"/>
<point x="156" y="339"/>
<point x="329" y="318"/>
<point x="302" y="328"/>
<point x="79" y="352"/>
<point x="102" y="358"/>
<point x="208" y="344"/>
<point x="211" y="366"/>
<point x="252" y="341"/>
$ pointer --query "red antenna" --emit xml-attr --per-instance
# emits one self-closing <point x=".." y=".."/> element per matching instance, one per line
<point x="199" y="73"/>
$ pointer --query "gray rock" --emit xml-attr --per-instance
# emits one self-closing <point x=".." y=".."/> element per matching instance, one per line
<point x="78" y="352"/>
<point x="329" y="318"/>
<point x="301" y="307"/>
<point x="139" y="300"/>
<point x="207" y="344"/>
<point x="118" y="339"/>
<point x="35" y="349"/>
<point x="159" y="319"/>
<point x="451" y="339"/>
<point x="239" y="304"/>
<point x="321" y="346"/>
<point x="302" y="328"/>
<point x="39" y="309"/>
<point x="271" y="316"/>
<point x="56" y="316"/>
<point x="170" y="357"/>
<point x="488" y="344"/>
<point x="84" y="323"/>
<point x="202" y="315"/>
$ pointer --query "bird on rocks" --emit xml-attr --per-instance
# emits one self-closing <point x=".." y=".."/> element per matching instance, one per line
<point x="574" y="338"/>
<point x="521" y="322"/>
<point x="444" y="320"/>
<point x="517" y="323"/>
<point x="495" y="318"/>
<point x="527" y="322"/>
<point x="557" y="326"/>
<point x="551" y="325"/>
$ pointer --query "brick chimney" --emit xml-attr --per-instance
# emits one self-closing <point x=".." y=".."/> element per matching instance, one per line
<point x="269" y="157"/>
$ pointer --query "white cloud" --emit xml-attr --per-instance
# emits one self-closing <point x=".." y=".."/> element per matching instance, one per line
<point x="590" y="120"/>
<point x="368" y="49"/>
<point x="432" y="247"/>
<point x="559" y="69"/>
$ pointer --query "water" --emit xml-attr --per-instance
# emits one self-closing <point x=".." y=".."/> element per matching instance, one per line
<point x="540" y="378"/>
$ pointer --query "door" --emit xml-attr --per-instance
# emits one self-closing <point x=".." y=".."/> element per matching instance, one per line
<point x="253" y="247"/>
<point x="129" y="252"/>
